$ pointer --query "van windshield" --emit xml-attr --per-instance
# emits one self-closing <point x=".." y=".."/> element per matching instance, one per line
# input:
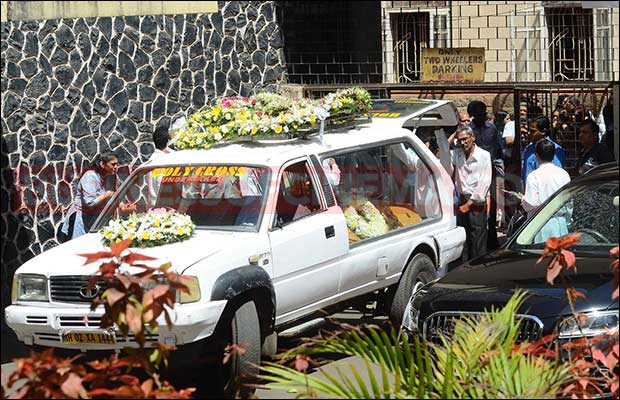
<point x="230" y="197"/>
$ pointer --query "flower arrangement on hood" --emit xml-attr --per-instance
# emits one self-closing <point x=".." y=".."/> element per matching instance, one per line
<point x="265" y="115"/>
<point x="155" y="228"/>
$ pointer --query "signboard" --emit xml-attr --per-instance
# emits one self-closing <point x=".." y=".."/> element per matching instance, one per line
<point x="453" y="65"/>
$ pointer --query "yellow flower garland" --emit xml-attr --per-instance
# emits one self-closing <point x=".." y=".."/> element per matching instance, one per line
<point x="264" y="115"/>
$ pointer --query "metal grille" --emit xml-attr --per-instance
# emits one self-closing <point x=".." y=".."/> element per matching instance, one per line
<point x="571" y="43"/>
<point x="412" y="35"/>
<point x="442" y="324"/>
<point x="67" y="288"/>
<point x="79" y="321"/>
<point x="36" y="319"/>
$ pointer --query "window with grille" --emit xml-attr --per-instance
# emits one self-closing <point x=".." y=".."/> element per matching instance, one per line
<point x="571" y="44"/>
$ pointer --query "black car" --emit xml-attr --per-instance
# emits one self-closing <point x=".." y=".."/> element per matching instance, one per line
<point x="588" y="205"/>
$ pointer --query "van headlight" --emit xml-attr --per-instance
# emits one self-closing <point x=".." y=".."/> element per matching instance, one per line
<point x="596" y="323"/>
<point x="190" y="281"/>
<point x="29" y="287"/>
<point x="194" y="291"/>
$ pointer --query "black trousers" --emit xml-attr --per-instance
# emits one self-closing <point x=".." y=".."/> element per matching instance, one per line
<point x="492" y="241"/>
<point x="475" y="224"/>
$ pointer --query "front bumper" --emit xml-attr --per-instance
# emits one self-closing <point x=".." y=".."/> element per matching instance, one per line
<point x="35" y="324"/>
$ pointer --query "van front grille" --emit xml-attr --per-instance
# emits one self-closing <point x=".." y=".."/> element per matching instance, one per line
<point x="67" y="289"/>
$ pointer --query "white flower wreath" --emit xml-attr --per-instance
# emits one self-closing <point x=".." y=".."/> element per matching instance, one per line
<point x="155" y="228"/>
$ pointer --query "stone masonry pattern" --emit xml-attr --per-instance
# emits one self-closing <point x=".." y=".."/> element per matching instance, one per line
<point x="72" y="88"/>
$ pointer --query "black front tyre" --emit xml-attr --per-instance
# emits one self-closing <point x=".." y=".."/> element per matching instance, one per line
<point x="419" y="270"/>
<point x="240" y="348"/>
<point x="222" y="365"/>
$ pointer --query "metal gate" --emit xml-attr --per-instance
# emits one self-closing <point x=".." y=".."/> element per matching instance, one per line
<point x="566" y="106"/>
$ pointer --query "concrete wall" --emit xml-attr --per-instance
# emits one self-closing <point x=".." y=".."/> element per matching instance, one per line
<point x="74" y="87"/>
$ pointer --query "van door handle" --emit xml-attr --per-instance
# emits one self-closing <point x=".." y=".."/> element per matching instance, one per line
<point x="330" y="232"/>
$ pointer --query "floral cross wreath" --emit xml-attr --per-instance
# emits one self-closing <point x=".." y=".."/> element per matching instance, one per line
<point x="155" y="228"/>
<point x="265" y="115"/>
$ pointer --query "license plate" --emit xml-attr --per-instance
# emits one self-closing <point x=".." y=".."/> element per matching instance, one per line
<point x="88" y="338"/>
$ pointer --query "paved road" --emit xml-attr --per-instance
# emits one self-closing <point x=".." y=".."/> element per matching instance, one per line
<point x="12" y="348"/>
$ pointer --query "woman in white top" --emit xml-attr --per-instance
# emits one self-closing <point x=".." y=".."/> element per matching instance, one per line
<point x="541" y="184"/>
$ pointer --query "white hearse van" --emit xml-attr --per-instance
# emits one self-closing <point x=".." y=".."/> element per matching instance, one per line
<point x="285" y="230"/>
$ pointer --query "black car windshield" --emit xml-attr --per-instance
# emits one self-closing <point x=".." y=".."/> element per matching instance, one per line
<point x="229" y="197"/>
<point x="589" y="208"/>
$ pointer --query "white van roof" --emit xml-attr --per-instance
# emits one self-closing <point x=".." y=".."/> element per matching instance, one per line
<point x="386" y="124"/>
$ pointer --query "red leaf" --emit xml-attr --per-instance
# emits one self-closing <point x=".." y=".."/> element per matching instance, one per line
<point x="131" y="258"/>
<point x="123" y="392"/>
<point x="117" y="248"/>
<point x="147" y="387"/>
<point x="552" y="244"/>
<point x="553" y="270"/>
<point x="598" y="355"/>
<point x="568" y="240"/>
<point x="584" y="383"/>
<point x="125" y="280"/>
<point x="92" y="257"/>
<point x="108" y="270"/>
<point x="113" y="295"/>
<point x="134" y="320"/>
<point x="611" y="361"/>
<point x="569" y="258"/>
<point x="571" y="295"/>
<point x="159" y="290"/>
<point x="301" y="363"/>
<point x="73" y="388"/>
<point x="232" y="349"/>
<point x="582" y="317"/>
<point x="568" y="389"/>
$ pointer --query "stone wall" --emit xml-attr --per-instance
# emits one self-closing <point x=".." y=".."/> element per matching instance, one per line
<point x="74" y="87"/>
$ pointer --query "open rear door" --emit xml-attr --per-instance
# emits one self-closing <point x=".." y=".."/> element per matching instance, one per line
<point x="444" y="119"/>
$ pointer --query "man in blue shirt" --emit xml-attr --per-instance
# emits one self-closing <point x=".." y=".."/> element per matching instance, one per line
<point x="540" y="128"/>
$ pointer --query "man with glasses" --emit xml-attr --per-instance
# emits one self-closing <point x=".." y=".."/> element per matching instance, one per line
<point x="539" y="129"/>
<point x="472" y="179"/>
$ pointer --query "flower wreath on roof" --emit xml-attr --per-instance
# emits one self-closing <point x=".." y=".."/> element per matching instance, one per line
<point x="155" y="228"/>
<point x="265" y="115"/>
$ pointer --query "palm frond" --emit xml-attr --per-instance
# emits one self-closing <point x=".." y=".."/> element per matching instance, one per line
<point x="476" y="361"/>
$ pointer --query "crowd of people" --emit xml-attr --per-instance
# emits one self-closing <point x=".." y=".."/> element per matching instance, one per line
<point x="486" y="161"/>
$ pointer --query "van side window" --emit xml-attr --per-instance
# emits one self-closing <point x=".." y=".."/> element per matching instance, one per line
<point x="297" y="196"/>
<point x="385" y="188"/>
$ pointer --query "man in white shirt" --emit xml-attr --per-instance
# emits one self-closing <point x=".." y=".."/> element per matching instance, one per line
<point x="472" y="179"/>
<point x="541" y="184"/>
<point x="508" y="134"/>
